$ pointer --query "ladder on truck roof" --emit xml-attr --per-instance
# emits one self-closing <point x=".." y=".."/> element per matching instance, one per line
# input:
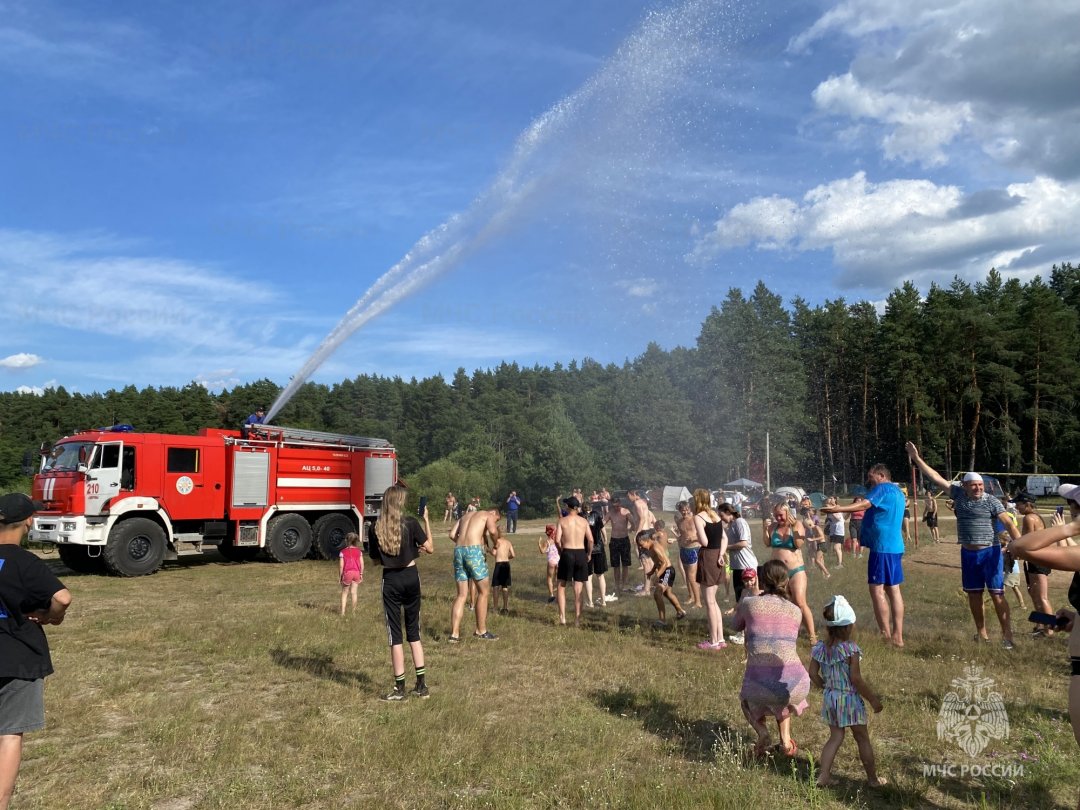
<point x="318" y="438"/>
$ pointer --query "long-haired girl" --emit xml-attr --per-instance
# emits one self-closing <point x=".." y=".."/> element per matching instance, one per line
<point x="395" y="540"/>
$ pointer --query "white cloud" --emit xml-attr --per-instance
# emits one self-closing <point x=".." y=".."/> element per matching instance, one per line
<point x="20" y="361"/>
<point x="919" y="127"/>
<point x="116" y="57"/>
<point x="459" y="343"/>
<point x="910" y="228"/>
<point x="1002" y="76"/>
<point x="82" y="283"/>
<point x="27" y="389"/>
<point x="639" y="287"/>
<point x="218" y="379"/>
<point x="101" y="308"/>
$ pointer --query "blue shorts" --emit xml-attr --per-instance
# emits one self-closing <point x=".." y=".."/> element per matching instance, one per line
<point x="688" y="556"/>
<point x="884" y="569"/>
<point x="469" y="563"/>
<point x="982" y="569"/>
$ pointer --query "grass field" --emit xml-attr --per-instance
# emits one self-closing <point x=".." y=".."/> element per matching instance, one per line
<point x="218" y="685"/>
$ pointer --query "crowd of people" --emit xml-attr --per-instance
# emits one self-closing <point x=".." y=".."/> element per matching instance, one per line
<point x="714" y="551"/>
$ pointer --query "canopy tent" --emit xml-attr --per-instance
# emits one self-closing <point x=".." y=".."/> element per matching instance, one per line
<point x="742" y="483"/>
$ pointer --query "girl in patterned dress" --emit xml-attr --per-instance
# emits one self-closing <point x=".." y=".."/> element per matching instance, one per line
<point x="775" y="683"/>
<point x="834" y="666"/>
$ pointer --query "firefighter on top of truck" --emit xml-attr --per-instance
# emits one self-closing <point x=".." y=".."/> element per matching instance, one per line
<point x="257" y="417"/>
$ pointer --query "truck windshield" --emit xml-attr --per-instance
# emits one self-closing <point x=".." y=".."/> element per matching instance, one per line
<point x="66" y="456"/>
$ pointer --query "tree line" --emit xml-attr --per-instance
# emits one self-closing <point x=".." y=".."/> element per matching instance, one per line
<point x="981" y="376"/>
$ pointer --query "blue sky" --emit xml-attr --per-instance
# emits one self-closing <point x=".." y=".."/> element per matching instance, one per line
<point x="202" y="192"/>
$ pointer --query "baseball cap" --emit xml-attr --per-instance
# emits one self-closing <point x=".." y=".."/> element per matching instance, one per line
<point x="16" y="507"/>
<point x="572" y="502"/>
<point x="749" y="574"/>
<point x="1024" y="497"/>
<point x="972" y="476"/>
<point x="843" y="613"/>
<point x="1070" y="492"/>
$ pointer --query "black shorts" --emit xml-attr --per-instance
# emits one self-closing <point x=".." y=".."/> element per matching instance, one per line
<point x="620" y="552"/>
<point x="931" y="521"/>
<point x="856" y="529"/>
<point x="666" y="579"/>
<point x="1031" y="569"/>
<point x="573" y="565"/>
<point x="598" y="561"/>
<point x="401" y="592"/>
<point x="500" y="577"/>
<point x="736" y="579"/>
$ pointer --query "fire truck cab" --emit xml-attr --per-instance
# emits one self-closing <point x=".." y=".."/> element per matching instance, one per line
<point x="124" y="501"/>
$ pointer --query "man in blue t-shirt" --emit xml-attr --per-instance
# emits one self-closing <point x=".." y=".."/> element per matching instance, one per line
<point x="881" y="533"/>
<point x="513" y="503"/>
<point x="980" y="552"/>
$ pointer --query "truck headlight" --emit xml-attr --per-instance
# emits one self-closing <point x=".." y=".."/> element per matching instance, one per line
<point x="70" y="527"/>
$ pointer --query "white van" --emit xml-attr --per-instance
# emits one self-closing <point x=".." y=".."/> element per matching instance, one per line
<point x="1042" y="485"/>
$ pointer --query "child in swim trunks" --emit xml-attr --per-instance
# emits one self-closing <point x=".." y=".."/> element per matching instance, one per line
<point x="663" y="574"/>
<point x="834" y="667"/>
<point x="500" y="577"/>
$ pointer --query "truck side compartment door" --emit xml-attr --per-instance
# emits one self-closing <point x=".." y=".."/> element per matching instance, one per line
<point x="190" y="490"/>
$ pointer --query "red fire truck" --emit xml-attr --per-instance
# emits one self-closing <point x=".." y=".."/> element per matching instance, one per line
<point x="126" y="501"/>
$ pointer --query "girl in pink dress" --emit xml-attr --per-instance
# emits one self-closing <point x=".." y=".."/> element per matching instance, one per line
<point x="350" y="569"/>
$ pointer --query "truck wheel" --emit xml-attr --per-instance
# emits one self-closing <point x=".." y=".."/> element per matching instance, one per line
<point x="78" y="559"/>
<point x="136" y="547"/>
<point x="288" y="538"/>
<point x="238" y="553"/>
<point x="330" y="531"/>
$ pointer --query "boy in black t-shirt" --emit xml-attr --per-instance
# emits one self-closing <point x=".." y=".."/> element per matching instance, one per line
<point x="30" y="596"/>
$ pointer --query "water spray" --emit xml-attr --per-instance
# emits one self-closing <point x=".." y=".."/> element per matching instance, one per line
<point x="635" y="81"/>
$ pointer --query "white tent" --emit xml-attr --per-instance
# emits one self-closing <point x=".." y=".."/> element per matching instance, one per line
<point x="672" y="495"/>
<point x="742" y="483"/>
<point x="798" y="493"/>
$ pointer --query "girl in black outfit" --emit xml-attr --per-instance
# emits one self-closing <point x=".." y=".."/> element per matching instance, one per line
<point x="395" y="541"/>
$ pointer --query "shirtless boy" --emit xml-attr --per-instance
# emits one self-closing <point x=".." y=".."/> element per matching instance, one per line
<point x="472" y="535"/>
<point x="574" y="540"/>
<point x="618" y="517"/>
<point x="663" y="573"/>
<point x="500" y="577"/>
<point x="641" y="520"/>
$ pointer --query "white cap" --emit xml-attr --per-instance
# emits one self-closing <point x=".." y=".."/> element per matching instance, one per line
<point x="843" y="614"/>
<point x="1070" y="492"/>
<point x="972" y="476"/>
